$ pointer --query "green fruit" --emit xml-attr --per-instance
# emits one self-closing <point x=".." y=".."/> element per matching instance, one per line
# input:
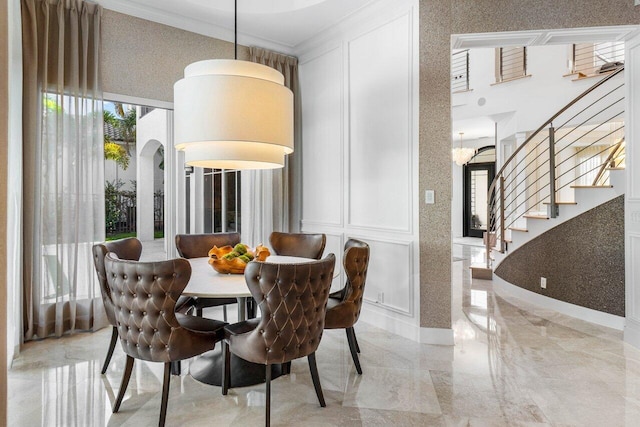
<point x="244" y="258"/>
<point x="249" y="255"/>
<point x="240" y="249"/>
<point x="230" y="255"/>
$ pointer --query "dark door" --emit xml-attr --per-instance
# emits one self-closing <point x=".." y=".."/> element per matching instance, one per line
<point x="477" y="179"/>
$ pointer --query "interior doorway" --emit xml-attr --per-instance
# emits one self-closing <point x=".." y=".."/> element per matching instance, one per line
<point x="478" y="176"/>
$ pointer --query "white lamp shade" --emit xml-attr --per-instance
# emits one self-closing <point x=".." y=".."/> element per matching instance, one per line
<point x="233" y="114"/>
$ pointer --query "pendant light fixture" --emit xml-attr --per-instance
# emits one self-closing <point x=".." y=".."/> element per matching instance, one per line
<point x="232" y="114"/>
<point x="462" y="155"/>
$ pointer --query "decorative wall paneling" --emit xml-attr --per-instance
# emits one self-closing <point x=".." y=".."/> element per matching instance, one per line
<point x="380" y="172"/>
<point x="322" y="135"/>
<point x="359" y="106"/>
<point x="632" y="197"/>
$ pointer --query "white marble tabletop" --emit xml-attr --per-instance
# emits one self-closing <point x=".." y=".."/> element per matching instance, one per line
<point x="205" y="282"/>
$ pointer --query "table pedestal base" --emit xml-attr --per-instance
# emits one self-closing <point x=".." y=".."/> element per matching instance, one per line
<point x="207" y="369"/>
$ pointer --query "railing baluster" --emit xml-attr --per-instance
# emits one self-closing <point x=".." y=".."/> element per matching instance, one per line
<point x="513" y="168"/>
<point x="553" y="207"/>
<point x="467" y="73"/>
<point x="502" y="230"/>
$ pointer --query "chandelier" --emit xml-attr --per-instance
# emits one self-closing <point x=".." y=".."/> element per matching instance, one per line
<point x="461" y="155"/>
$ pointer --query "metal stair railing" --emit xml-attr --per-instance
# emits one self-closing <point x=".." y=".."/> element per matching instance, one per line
<point x="552" y="160"/>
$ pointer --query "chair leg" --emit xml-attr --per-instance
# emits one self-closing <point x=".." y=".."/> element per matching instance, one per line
<point x="316" y="379"/>
<point x="165" y="393"/>
<point x="123" y="385"/>
<point x="112" y="346"/>
<point x="226" y="368"/>
<point x="351" y="338"/>
<point x="268" y="400"/>
<point x="176" y="368"/>
<point x="199" y="311"/>
<point x="286" y="368"/>
<point x="224" y="312"/>
<point x="355" y="340"/>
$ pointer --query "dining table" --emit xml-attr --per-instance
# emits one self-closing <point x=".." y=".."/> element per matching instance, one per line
<point x="205" y="282"/>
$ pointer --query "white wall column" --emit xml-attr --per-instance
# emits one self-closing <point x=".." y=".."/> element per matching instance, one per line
<point x="154" y="129"/>
<point x="144" y="191"/>
<point x="197" y="201"/>
<point x="632" y="198"/>
<point x="171" y="169"/>
<point x="180" y="183"/>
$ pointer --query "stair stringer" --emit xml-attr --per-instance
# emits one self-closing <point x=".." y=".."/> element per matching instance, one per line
<point x="585" y="198"/>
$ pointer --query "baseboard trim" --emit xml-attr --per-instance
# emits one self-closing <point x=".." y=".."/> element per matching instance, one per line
<point x="579" y="312"/>
<point x="391" y="324"/>
<point x="632" y="332"/>
<point x="436" y="336"/>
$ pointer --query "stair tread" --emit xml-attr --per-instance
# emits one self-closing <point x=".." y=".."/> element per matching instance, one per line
<point x="518" y="229"/>
<point x="592" y="186"/>
<point x="534" y="216"/>
<point x="563" y="203"/>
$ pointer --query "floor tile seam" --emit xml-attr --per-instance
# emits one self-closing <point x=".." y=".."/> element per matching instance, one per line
<point x="397" y="410"/>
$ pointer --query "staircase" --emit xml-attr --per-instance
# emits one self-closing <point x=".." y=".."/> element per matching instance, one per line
<point x="558" y="172"/>
<point x="586" y="198"/>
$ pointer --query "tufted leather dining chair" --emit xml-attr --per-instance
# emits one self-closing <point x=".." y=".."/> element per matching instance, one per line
<point x="292" y="300"/>
<point x="144" y="298"/>
<point x="197" y="246"/>
<point x="343" y="307"/>
<point x="298" y="244"/>
<point x="130" y="249"/>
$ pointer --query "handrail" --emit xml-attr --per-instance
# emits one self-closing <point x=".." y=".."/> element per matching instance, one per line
<point x="612" y="156"/>
<point x="499" y="175"/>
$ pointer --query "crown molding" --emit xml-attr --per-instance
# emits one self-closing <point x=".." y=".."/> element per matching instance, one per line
<point x="370" y="14"/>
<point x="192" y="25"/>
<point x="544" y="37"/>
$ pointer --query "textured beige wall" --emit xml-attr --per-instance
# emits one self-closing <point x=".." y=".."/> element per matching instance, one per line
<point x="582" y="268"/>
<point x="435" y="164"/>
<point x="4" y="133"/>
<point x="144" y="59"/>
<point x="439" y="19"/>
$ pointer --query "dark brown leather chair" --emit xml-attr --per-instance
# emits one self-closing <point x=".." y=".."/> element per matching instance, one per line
<point x="197" y="246"/>
<point x="292" y="300"/>
<point x="343" y="307"/>
<point x="298" y="244"/>
<point x="130" y="249"/>
<point x="144" y="298"/>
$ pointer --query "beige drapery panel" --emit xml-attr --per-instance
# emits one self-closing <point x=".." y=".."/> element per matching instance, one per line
<point x="275" y="201"/>
<point x="63" y="177"/>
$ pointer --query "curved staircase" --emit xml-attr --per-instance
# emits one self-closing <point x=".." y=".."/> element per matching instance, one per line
<point x="558" y="172"/>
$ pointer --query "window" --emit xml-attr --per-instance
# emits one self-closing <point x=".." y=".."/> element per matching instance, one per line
<point x="593" y="58"/>
<point x="214" y="204"/>
<point x="511" y="63"/>
<point x="460" y="71"/>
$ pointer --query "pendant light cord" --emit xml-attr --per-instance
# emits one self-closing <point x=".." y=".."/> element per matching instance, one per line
<point x="235" y="28"/>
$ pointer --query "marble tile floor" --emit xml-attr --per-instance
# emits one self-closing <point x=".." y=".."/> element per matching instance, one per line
<point x="512" y="364"/>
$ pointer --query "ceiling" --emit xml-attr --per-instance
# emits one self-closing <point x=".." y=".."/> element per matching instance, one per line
<point x="276" y="24"/>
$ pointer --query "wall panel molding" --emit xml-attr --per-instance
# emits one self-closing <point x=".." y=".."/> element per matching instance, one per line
<point x="632" y="199"/>
<point x="374" y="63"/>
<point x="323" y="138"/>
<point x="380" y="127"/>
<point x="633" y="277"/>
<point x="391" y="263"/>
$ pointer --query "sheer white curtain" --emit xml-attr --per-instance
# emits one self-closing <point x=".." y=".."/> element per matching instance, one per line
<point x="271" y="198"/>
<point x="63" y="166"/>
